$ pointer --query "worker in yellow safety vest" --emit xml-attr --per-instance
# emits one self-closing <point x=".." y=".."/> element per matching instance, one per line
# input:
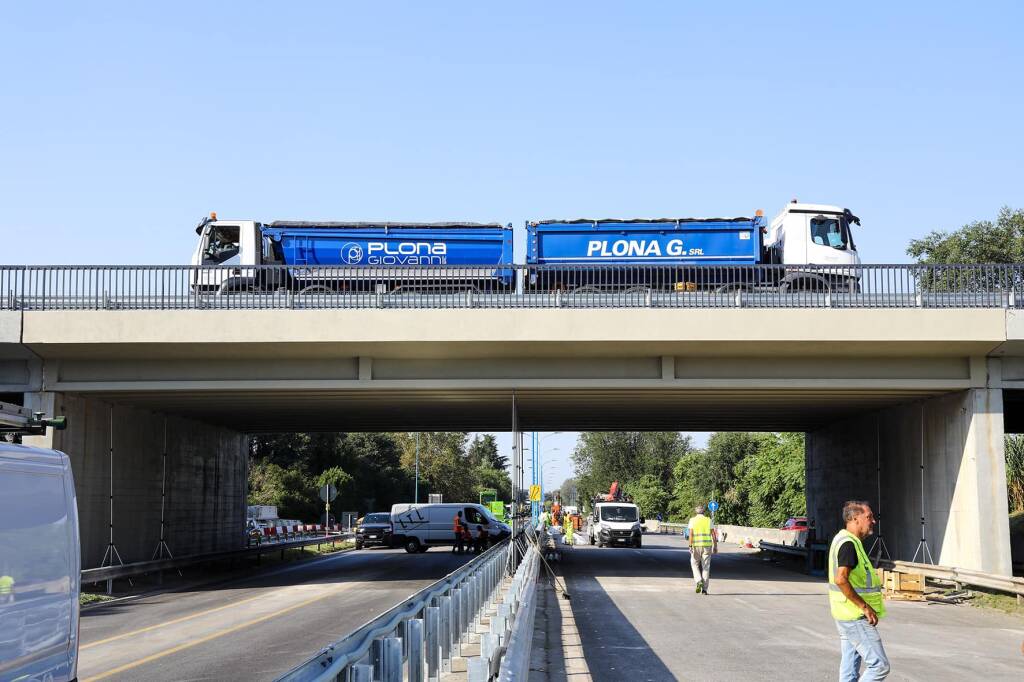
<point x="703" y="543"/>
<point x="855" y="595"/>
<point x="6" y="589"/>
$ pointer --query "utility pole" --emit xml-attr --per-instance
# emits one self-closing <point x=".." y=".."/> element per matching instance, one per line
<point x="416" y="492"/>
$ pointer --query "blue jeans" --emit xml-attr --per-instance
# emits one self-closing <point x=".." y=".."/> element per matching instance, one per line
<point x="861" y="642"/>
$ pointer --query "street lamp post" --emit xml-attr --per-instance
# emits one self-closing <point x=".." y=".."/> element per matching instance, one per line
<point x="536" y="466"/>
<point x="416" y="492"/>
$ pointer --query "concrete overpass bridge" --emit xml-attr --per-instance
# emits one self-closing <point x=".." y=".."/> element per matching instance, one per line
<point x="903" y="404"/>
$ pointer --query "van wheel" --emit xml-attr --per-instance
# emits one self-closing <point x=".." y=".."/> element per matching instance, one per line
<point x="359" y="545"/>
<point x="591" y="540"/>
<point x="638" y="544"/>
<point x="412" y="546"/>
<point x="424" y="548"/>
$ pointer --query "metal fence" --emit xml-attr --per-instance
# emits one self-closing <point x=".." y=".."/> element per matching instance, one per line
<point x="35" y="288"/>
<point x="470" y="613"/>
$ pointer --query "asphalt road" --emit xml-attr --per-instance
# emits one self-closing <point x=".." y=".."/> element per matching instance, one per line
<point x="639" y="619"/>
<point x="252" y="629"/>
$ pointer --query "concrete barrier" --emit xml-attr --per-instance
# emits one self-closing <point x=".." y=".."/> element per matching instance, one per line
<point x="739" y="534"/>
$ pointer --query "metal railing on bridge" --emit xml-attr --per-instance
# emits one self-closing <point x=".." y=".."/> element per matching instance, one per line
<point x="477" y="613"/>
<point x="36" y="288"/>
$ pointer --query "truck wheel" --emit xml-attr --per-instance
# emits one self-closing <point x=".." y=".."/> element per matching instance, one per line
<point x="359" y="545"/>
<point x="591" y="540"/>
<point x="412" y="546"/>
<point x="424" y="548"/>
<point x="639" y="543"/>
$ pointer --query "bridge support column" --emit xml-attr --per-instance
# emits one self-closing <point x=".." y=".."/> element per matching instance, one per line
<point x="206" y="477"/>
<point x="954" y="443"/>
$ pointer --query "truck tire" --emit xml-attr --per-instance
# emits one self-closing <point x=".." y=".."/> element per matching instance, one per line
<point x="639" y="543"/>
<point x="412" y="545"/>
<point x="424" y="548"/>
<point x="591" y="539"/>
<point x="359" y="545"/>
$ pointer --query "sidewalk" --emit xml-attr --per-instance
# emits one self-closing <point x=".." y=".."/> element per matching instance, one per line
<point x="557" y="652"/>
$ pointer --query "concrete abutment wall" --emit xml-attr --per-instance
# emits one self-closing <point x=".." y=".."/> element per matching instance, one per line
<point x="206" y="483"/>
<point x="878" y="457"/>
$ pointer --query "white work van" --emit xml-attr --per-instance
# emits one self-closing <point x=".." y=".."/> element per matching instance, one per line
<point x="419" y="527"/>
<point x="615" y="523"/>
<point x="40" y="565"/>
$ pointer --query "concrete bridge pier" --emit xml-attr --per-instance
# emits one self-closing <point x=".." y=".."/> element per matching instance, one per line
<point x="203" y="495"/>
<point x="954" y="443"/>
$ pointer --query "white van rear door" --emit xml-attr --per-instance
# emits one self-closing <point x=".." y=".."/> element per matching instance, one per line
<point x="38" y="554"/>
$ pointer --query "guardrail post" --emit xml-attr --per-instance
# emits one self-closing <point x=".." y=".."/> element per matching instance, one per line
<point x="361" y="672"/>
<point x="391" y="665"/>
<point x="458" y="617"/>
<point x="445" y="604"/>
<point x="414" y="638"/>
<point x="476" y="669"/>
<point x="433" y="643"/>
<point x="377" y="657"/>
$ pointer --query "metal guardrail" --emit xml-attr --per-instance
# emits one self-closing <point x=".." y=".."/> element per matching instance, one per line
<point x="108" y="573"/>
<point x="417" y="639"/>
<point x="515" y="664"/>
<point x="125" y="287"/>
<point x="960" y="576"/>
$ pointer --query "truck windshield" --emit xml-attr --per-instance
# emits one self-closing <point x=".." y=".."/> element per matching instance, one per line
<point x="832" y="231"/>
<point x="221" y="245"/>
<point x="618" y="513"/>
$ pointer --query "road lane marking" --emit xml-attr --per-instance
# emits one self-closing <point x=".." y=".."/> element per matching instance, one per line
<point x="156" y="626"/>
<point x="812" y="633"/>
<point x="214" y="635"/>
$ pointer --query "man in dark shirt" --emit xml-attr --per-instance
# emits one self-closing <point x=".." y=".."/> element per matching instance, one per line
<point x="848" y="555"/>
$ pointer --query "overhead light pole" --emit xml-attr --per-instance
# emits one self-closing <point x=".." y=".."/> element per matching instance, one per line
<point x="416" y="491"/>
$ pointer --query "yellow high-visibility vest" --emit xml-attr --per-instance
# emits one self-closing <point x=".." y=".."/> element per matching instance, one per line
<point x="863" y="580"/>
<point x="700" y="531"/>
<point x="6" y="584"/>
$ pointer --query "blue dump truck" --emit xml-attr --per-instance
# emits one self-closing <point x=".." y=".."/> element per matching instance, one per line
<point x="688" y="254"/>
<point x="811" y="246"/>
<point x="412" y="255"/>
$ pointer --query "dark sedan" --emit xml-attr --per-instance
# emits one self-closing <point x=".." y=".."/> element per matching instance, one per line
<point x="375" y="529"/>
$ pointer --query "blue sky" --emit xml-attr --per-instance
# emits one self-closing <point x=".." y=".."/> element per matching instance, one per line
<point x="123" y="124"/>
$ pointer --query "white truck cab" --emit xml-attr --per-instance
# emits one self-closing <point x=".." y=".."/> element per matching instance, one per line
<point x="225" y="244"/>
<point x="815" y="234"/>
<point x="615" y="523"/>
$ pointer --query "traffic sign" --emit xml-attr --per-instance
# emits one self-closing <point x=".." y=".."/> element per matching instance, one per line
<point x="713" y="506"/>
<point x="328" y="492"/>
<point x="534" y="493"/>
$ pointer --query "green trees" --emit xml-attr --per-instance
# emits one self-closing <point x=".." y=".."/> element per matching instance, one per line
<point x="758" y="478"/>
<point x="627" y="457"/>
<point x="1015" y="472"/>
<point x="770" y="481"/>
<point x="979" y="242"/>
<point x="372" y="471"/>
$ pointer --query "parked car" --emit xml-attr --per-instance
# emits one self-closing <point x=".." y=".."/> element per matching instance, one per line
<point x="795" y="523"/>
<point x="419" y="527"/>
<point x="40" y="569"/>
<point x="374" y="529"/>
